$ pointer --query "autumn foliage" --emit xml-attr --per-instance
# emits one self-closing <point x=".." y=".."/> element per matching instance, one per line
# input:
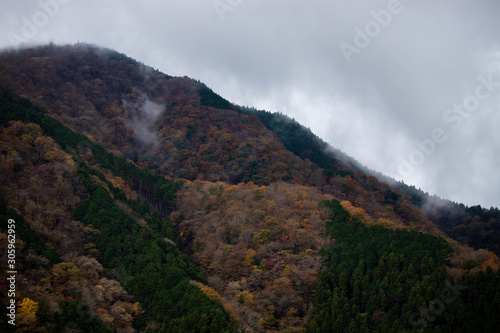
<point x="149" y="203"/>
<point x="257" y="245"/>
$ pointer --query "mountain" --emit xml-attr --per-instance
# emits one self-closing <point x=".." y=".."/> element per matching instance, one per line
<point x="147" y="202"/>
<point x="475" y="226"/>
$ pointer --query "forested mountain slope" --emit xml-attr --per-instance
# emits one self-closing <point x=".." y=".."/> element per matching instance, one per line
<point x="475" y="226"/>
<point x="149" y="203"/>
<point x="81" y="254"/>
<point x="180" y="128"/>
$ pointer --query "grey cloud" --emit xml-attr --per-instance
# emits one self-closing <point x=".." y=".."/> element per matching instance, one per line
<point x="142" y="115"/>
<point x="284" y="56"/>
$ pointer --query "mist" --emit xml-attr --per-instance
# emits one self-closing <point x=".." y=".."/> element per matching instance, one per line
<point x="379" y="104"/>
<point x="142" y="114"/>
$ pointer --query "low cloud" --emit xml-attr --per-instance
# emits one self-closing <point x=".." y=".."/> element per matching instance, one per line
<point x="142" y="114"/>
<point x="285" y="56"/>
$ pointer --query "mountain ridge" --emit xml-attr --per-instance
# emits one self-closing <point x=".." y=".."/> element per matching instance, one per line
<point x="233" y="198"/>
<point x="113" y="91"/>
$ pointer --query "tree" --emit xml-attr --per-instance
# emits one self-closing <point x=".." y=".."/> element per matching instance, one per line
<point x="27" y="307"/>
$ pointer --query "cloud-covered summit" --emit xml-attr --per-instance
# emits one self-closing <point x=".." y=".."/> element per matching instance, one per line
<point x="286" y="56"/>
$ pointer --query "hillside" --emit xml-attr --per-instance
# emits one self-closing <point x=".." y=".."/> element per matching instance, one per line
<point x="475" y="226"/>
<point x="109" y="270"/>
<point x="175" y="126"/>
<point x="156" y="205"/>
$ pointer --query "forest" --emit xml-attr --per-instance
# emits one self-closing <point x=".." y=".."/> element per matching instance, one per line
<point x="475" y="226"/>
<point x="382" y="280"/>
<point x="149" y="203"/>
<point x="150" y="267"/>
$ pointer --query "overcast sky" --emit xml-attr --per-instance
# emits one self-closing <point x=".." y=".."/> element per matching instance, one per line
<point x="408" y="88"/>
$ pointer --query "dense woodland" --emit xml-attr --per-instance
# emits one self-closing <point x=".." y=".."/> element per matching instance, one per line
<point x="147" y="262"/>
<point x="382" y="280"/>
<point x="149" y="203"/>
<point x="476" y="226"/>
<point x="258" y="247"/>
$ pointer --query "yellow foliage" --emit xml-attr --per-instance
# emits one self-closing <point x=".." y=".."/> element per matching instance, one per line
<point x="228" y="205"/>
<point x="231" y="188"/>
<point x="262" y="238"/>
<point x="136" y="309"/>
<point x="384" y="223"/>
<point x="28" y="139"/>
<point x="42" y="141"/>
<point x="245" y="297"/>
<point x="353" y="211"/>
<point x="66" y="271"/>
<point x="309" y="252"/>
<point x="69" y="161"/>
<point x="249" y="256"/>
<point x="271" y="221"/>
<point x="346" y="205"/>
<point x="51" y="156"/>
<point x="34" y="128"/>
<point x="27" y="307"/>
<point x="259" y="193"/>
<point x="228" y="248"/>
<point x="209" y="292"/>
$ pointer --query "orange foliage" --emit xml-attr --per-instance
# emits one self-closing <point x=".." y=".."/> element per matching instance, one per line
<point x="354" y="211"/>
<point x="210" y="292"/>
<point x="252" y="242"/>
